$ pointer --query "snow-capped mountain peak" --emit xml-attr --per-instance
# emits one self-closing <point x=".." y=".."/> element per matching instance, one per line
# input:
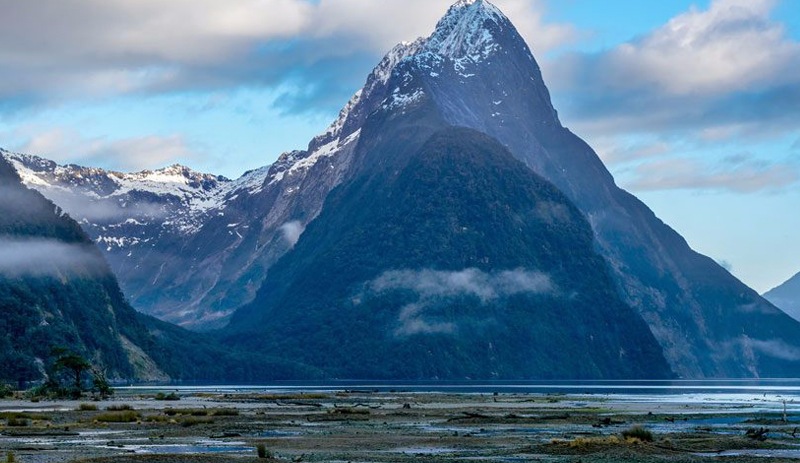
<point x="463" y="33"/>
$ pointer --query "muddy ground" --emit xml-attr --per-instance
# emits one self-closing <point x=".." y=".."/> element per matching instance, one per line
<point x="368" y="426"/>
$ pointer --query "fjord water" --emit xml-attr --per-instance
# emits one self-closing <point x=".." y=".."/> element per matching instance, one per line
<point x="786" y="388"/>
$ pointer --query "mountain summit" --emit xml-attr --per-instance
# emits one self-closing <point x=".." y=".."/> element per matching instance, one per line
<point x="475" y="71"/>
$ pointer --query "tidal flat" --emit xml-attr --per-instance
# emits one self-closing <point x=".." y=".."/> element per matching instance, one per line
<point x="363" y="425"/>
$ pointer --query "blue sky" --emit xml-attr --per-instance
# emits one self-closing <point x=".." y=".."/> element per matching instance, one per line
<point x="693" y="105"/>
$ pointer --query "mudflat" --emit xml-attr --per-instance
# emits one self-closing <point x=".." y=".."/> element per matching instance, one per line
<point x="401" y="426"/>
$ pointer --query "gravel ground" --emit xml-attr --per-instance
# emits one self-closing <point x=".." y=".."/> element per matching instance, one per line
<point x="360" y="426"/>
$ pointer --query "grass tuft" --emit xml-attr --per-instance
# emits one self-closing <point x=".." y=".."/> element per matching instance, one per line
<point x="195" y="420"/>
<point x="262" y="452"/>
<point x="119" y="408"/>
<point x="638" y="432"/>
<point x="17" y="422"/>
<point x="125" y="416"/>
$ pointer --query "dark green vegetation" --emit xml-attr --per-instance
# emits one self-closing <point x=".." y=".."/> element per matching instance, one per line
<point x="59" y="293"/>
<point x="62" y="313"/>
<point x="638" y="432"/>
<point x="460" y="263"/>
<point x="66" y="376"/>
<point x="708" y="323"/>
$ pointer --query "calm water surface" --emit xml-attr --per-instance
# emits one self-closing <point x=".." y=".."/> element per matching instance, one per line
<point x="672" y="387"/>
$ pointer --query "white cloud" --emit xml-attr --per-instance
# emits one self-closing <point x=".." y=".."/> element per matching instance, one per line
<point x="381" y="25"/>
<point x="128" y="31"/>
<point x="80" y="207"/>
<point x="775" y="348"/>
<point x="291" y="232"/>
<point x="719" y="76"/>
<point x="467" y="282"/>
<point x="614" y="151"/>
<point x="738" y="175"/>
<point x="431" y="286"/>
<point x="715" y="73"/>
<point x="411" y="322"/>
<point x="47" y="257"/>
<point x="127" y="154"/>
<point x="731" y="46"/>
<point x="101" y="48"/>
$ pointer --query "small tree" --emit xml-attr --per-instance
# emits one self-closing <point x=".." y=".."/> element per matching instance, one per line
<point x="73" y="363"/>
<point x="76" y="364"/>
<point x="100" y="384"/>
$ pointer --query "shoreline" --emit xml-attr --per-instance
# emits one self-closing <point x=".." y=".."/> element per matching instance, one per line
<point x="400" y="426"/>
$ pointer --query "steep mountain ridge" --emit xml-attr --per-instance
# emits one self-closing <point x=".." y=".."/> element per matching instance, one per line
<point x="786" y="296"/>
<point x="492" y="83"/>
<point x="443" y="257"/>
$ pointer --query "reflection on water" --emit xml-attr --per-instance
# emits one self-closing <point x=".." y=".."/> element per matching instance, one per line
<point x="192" y="449"/>
<point x="763" y="453"/>
<point x="624" y="387"/>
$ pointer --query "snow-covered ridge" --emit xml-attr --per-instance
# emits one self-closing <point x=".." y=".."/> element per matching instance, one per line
<point x="118" y="192"/>
<point x="166" y="180"/>
<point x="401" y="51"/>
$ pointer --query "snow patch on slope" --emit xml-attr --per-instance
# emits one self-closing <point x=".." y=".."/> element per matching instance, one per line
<point x="323" y="151"/>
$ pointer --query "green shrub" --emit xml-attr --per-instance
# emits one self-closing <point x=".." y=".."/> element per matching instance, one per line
<point x="350" y="411"/>
<point x="186" y="411"/>
<point x="6" y="391"/>
<point x="23" y="416"/>
<point x="638" y="432"/>
<point x="261" y="449"/>
<point x="17" y="422"/>
<point x="170" y="396"/>
<point x="119" y="408"/>
<point x="87" y="407"/>
<point x="125" y="416"/>
<point x="194" y="420"/>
